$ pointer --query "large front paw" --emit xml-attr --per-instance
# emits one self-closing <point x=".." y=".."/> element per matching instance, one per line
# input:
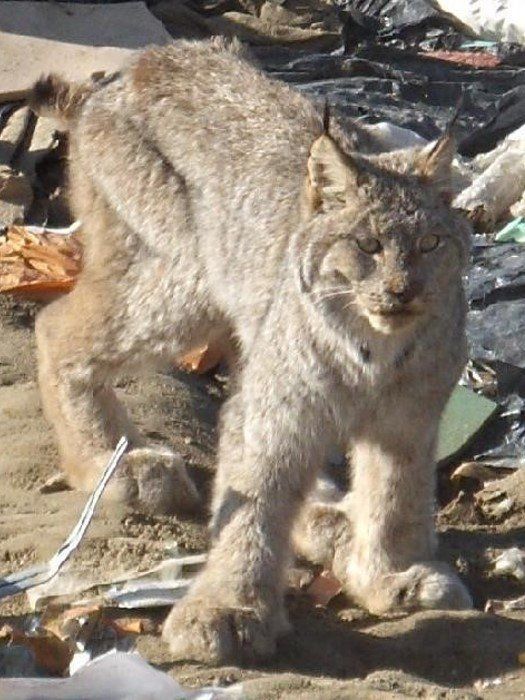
<point x="428" y="585"/>
<point x="154" y="480"/>
<point x="198" y="628"/>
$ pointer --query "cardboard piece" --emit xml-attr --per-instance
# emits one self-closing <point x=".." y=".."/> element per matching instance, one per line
<point x="72" y="39"/>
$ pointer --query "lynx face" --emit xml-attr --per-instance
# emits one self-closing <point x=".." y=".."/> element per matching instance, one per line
<point x="380" y="244"/>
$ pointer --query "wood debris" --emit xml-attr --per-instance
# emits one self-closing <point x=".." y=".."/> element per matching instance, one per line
<point x="202" y="359"/>
<point x="38" y="266"/>
<point x="52" y="654"/>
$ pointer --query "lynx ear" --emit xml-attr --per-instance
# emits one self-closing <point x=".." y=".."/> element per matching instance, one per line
<point x="331" y="173"/>
<point x="433" y="163"/>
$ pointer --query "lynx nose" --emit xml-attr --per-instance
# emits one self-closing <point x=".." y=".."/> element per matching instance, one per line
<point x="404" y="296"/>
<point x="402" y="292"/>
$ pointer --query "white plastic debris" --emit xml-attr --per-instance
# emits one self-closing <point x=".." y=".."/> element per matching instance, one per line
<point x="511" y="563"/>
<point x="112" y="676"/>
<point x="500" y="182"/>
<point x="501" y="20"/>
<point x="63" y="231"/>
<point x="163" y="584"/>
<point x="37" y="575"/>
<point x="391" y="137"/>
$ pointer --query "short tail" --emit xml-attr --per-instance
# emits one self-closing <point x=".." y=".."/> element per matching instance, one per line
<point x="54" y="97"/>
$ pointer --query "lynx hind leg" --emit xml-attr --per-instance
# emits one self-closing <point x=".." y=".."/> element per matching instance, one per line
<point x="121" y="311"/>
<point x="76" y="366"/>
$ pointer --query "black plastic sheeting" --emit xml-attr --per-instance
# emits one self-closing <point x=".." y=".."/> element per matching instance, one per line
<point x="496" y="331"/>
<point x="401" y="23"/>
<point x="510" y="115"/>
<point x="496" y="291"/>
<point x="418" y="92"/>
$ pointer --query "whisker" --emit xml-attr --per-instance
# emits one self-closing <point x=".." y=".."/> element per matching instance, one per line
<point x="328" y="289"/>
<point x="330" y="295"/>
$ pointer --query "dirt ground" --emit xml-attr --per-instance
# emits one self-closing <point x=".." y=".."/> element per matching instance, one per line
<point x="335" y="652"/>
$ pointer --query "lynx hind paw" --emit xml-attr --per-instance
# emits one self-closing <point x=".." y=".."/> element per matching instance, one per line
<point x="429" y="586"/>
<point x="199" y="629"/>
<point x="154" y="480"/>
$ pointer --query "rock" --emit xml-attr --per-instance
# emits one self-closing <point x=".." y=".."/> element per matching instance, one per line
<point x="40" y="143"/>
<point x="16" y="196"/>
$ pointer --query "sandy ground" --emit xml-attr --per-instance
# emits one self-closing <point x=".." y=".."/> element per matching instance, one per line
<point x="339" y="652"/>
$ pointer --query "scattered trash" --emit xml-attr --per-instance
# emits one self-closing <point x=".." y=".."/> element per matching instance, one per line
<point x="481" y="377"/>
<point x="399" y="24"/>
<point x="51" y="653"/>
<point x="495" y="505"/>
<point x="389" y="137"/>
<point x="469" y="59"/>
<point x="511" y="563"/>
<point x="112" y="676"/>
<point x="499" y="185"/>
<point x="38" y="266"/>
<point x="513" y="231"/>
<point x="474" y="472"/>
<point x="161" y="585"/>
<point x="492" y="19"/>
<point x="62" y="231"/>
<point x="37" y="575"/>
<point x="509" y="116"/>
<point x="203" y="359"/>
<point x="488" y="683"/>
<point x="494" y="605"/>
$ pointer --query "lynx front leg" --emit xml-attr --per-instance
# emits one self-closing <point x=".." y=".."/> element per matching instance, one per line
<point x="391" y="561"/>
<point x="235" y="609"/>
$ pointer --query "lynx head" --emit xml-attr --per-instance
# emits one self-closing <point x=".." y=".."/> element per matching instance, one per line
<point x="381" y="239"/>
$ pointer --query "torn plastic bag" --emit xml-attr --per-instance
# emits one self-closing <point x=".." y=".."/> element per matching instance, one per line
<point x="497" y="331"/>
<point x="497" y="273"/>
<point x="113" y="676"/>
<point x="400" y="23"/>
<point x="503" y="445"/>
<point x="510" y="116"/>
<point x="495" y="288"/>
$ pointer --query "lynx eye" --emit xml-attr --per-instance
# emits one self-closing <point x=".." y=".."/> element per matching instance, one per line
<point x="428" y="242"/>
<point x="369" y="245"/>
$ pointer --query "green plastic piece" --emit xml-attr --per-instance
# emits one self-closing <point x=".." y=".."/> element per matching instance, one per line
<point x="513" y="231"/>
<point x="465" y="414"/>
<point x="478" y="44"/>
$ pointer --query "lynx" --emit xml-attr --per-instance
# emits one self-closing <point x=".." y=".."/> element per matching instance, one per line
<point x="218" y="203"/>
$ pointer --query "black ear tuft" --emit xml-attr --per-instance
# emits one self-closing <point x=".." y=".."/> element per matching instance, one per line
<point x="326" y="118"/>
